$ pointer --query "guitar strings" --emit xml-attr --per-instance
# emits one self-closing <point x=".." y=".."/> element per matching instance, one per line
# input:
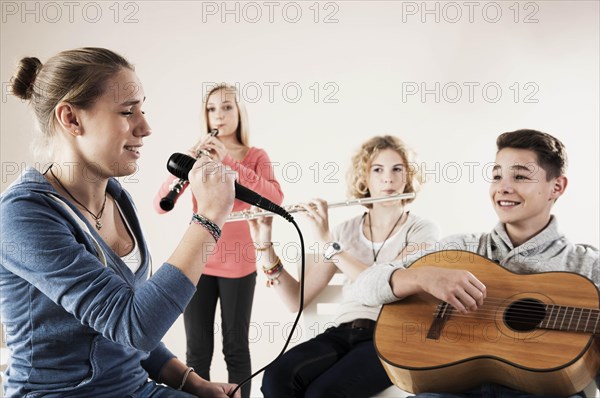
<point x="492" y="314"/>
<point x="533" y="308"/>
<point x="535" y="326"/>
<point x="581" y="326"/>
<point x="491" y="307"/>
<point x="524" y="311"/>
<point x="493" y="300"/>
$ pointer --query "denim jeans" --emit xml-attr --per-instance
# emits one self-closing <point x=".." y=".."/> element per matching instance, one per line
<point x="340" y="362"/>
<point x="152" y="390"/>
<point x="489" y="391"/>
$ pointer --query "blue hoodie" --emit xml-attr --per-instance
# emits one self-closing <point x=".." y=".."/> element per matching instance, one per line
<point x="78" y="322"/>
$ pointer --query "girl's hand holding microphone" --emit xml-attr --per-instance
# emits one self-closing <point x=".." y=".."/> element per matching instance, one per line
<point x="213" y="186"/>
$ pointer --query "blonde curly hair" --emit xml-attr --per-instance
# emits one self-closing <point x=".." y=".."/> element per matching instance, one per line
<point x="362" y="160"/>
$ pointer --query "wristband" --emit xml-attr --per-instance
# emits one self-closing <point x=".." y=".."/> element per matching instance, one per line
<point x="210" y="226"/>
<point x="185" y="377"/>
<point x="273" y="272"/>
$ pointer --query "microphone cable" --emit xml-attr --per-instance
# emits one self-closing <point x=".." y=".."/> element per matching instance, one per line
<point x="179" y="165"/>
<point x="300" y="309"/>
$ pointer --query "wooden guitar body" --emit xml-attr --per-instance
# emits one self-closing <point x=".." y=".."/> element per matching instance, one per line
<point x="534" y="333"/>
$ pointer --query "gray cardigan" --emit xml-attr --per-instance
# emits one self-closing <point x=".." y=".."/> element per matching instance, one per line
<point x="547" y="251"/>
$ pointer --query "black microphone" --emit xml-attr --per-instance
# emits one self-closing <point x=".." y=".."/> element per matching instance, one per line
<point x="168" y="202"/>
<point x="180" y="165"/>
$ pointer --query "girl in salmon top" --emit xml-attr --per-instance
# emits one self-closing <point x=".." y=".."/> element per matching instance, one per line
<point x="230" y="273"/>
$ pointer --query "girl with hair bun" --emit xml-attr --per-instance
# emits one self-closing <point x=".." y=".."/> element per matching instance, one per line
<point x="82" y="317"/>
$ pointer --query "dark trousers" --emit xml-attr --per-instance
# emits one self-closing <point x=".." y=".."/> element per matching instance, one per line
<point x="235" y="296"/>
<point x="340" y="362"/>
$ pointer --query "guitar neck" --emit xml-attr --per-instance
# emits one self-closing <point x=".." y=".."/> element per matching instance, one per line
<point x="571" y="319"/>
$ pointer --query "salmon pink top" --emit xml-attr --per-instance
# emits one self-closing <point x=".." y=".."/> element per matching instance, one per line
<point x="234" y="255"/>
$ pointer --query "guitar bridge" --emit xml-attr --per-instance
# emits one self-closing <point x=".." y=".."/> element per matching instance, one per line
<point x="441" y="315"/>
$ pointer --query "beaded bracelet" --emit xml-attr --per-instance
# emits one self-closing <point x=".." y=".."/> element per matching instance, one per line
<point x="273" y="272"/>
<point x="185" y="377"/>
<point x="210" y="226"/>
<point x="272" y="266"/>
<point x="274" y="280"/>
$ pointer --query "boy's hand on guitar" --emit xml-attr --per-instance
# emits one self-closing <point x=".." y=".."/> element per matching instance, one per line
<point x="514" y="340"/>
<point x="459" y="288"/>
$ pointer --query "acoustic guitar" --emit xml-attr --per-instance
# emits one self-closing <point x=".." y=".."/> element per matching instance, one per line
<point x="536" y="333"/>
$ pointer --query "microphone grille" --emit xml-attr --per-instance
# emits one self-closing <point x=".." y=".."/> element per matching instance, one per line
<point x="180" y="165"/>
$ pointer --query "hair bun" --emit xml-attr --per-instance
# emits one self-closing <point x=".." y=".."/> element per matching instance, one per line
<point x="22" y="82"/>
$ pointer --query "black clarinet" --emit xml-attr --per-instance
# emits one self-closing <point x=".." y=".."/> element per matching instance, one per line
<point x="168" y="202"/>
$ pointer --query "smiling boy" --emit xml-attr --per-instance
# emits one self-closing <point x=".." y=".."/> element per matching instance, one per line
<point x="528" y="178"/>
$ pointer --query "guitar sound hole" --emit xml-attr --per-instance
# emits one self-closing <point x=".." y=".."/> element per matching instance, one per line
<point x="524" y="315"/>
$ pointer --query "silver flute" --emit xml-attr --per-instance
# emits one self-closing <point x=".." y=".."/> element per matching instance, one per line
<point x="251" y="215"/>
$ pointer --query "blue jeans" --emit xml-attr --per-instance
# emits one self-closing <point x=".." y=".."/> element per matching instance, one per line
<point x="152" y="390"/>
<point x="489" y="391"/>
<point x="340" y="362"/>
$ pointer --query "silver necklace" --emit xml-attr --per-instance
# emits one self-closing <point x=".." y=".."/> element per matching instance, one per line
<point x="94" y="216"/>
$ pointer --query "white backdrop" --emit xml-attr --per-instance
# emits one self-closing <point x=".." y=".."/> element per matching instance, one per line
<point x="318" y="79"/>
